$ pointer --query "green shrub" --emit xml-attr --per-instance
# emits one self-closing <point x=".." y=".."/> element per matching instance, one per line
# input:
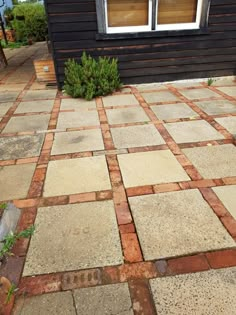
<point x="34" y="25"/>
<point x="91" y="78"/>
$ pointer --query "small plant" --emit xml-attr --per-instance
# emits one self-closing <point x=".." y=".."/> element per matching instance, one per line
<point x="210" y="81"/>
<point x="91" y="78"/>
<point x="10" y="292"/>
<point x="3" y="206"/>
<point x="11" y="238"/>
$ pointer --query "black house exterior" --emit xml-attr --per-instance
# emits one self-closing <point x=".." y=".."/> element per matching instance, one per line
<point x="154" y="40"/>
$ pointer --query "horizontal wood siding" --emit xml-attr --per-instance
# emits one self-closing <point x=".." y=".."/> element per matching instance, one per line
<point x="73" y="29"/>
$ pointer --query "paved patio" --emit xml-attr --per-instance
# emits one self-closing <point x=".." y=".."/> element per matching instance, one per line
<point x="133" y="196"/>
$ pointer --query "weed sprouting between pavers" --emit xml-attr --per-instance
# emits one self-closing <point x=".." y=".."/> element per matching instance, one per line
<point x="10" y="239"/>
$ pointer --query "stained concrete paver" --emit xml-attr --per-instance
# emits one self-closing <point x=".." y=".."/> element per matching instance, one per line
<point x="77" y="104"/>
<point x="199" y="93"/>
<point x="192" y="131"/>
<point x="38" y="95"/>
<point x="15" y="180"/>
<point x="177" y="223"/>
<point x="209" y="292"/>
<point x="9" y="96"/>
<point x="4" y="107"/>
<point x="81" y="236"/>
<point x="217" y="107"/>
<point x="213" y="161"/>
<point x="120" y="100"/>
<point x="229" y="90"/>
<point x="27" y="123"/>
<point x="173" y="111"/>
<point x="227" y="195"/>
<point x="162" y="96"/>
<point x="35" y="106"/>
<point x="228" y="123"/>
<point x="126" y="115"/>
<point x="136" y="136"/>
<point x="60" y="303"/>
<point x="66" y="177"/>
<point x="77" y="119"/>
<point x="12" y="148"/>
<point x="77" y="141"/>
<point x="149" y="168"/>
<point x="109" y="299"/>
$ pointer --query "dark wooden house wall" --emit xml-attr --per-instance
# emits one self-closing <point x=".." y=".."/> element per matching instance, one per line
<point x="73" y="29"/>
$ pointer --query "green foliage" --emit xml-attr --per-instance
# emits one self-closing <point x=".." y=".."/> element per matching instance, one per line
<point x="34" y="25"/>
<point x="12" y="45"/>
<point x="11" y="238"/>
<point x="92" y="77"/>
<point x="10" y="292"/>
<point x="3" y="206"/>
<point x="210" y="81"/>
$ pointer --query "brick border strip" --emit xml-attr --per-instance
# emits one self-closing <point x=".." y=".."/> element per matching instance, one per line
<point x="123" y="213"/>
<point x="70" y="280"/>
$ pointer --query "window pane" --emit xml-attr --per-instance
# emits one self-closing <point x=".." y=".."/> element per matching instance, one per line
<point x="176" y="11"/>
<point x="127" y="12"/>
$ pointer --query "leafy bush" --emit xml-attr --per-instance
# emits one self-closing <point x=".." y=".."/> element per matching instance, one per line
<point x="91" y="78"/>
<point x="34" y="25"/>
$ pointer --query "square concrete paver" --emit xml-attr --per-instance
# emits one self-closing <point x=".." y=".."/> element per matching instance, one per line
<point x="229" y="90"/>
<point x="12" y="87"/>
<point x="9" y="96"/>
<point x="81" y="236"/>
<point x="77" y="104"/>
<point x="157" y="97"/>
<point x="77" y="141"/>
<point x="136" y="136"/>
<point x="12" y="148"/>
<point x="77" y="119"/>
<point x="217" y="107"/>
<point x="35" y="106"/>
<point x="186" y="85"/>
<point x="173" y="111"/>
<point x="149" y="168"/>
<point x="39" y="95"/>
<point x="199" y="93"/>
<point x="27" y="123"/>
<point x="228" y="123"/>
<point x="215" y="161"/>
<point x="227" y="195"/>
<point x="109" y="299"/>
<point x="177" y="223"/>
<point x="15" y="180"/>
<point x="120" y="100"/>
<point x="193" y="131"/>
<point x="66" y="177"/>
<point x="4" y="107"/>
<point x="224" y="81"/>
<point x="210" y="293"/>
<point x="150" y="86"/>
<point x="60" y="303"/>
<point x="126" y="115"/>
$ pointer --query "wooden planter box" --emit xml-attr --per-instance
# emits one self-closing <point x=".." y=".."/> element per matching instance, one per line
<point x="11" y="36"/>
<point x="44" y="69"/>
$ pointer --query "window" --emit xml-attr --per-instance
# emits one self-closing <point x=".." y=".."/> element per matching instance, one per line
<point x="127" y="16"/>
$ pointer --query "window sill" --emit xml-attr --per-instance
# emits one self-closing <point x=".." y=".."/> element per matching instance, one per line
<point x="151" y="34"/>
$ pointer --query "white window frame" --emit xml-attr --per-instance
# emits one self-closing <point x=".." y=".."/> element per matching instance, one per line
<point x="182" y="26"/>
<point x="158" y="27"/>
<point x="129" y="29"/>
